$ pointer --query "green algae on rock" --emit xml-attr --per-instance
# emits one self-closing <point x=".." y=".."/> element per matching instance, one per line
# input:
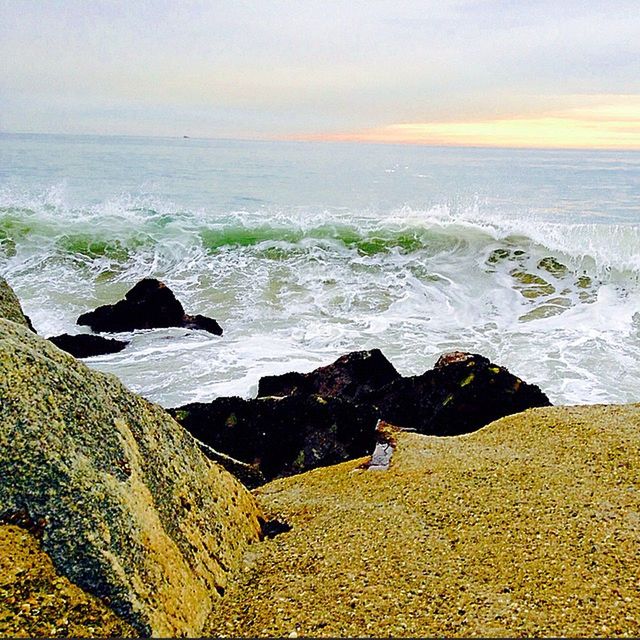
<point x="130" y="509"/>
<point x="10" y="307"/>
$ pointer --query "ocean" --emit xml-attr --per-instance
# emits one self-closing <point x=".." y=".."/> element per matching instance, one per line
<point x="305" y="251"/>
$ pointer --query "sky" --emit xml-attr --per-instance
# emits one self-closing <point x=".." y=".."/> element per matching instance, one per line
<point x="561" y="73"/>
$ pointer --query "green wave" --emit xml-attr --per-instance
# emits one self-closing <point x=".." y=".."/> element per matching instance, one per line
<point x="366" y="243"/>
<point x="90" y="246"/>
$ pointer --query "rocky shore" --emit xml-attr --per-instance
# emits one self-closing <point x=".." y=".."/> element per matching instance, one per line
<point x="483" y="512"/>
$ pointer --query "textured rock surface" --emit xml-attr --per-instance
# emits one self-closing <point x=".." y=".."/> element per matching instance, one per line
<point x="282" y="436"/>
<point x="128" y="507"/>
<point x="85" y="345"/>
<point x="464" y="392"/>
<point x="526" y="528"/>
<point x="35" y="601"/>
<point x="10" y="307"/>
<point x="351" y="377"/>
<point x="150" y="304"/>
<point x="329" y="415"/>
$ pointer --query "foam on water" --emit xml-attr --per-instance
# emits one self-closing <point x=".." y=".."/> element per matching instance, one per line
<point x="557" y="303"/>
<point x="304" y="252"/>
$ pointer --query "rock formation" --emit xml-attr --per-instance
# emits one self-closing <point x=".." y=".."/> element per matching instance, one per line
<point x="84" y="345"/>
<point x="464" y="392"/>
<point x="150" y="304"/>
<point x="352" y="377"/>
<point x="329" y="415"/>
<point x="127" y="506"/>
<point x="10" y="307"/>
<point x="282" y="436"/>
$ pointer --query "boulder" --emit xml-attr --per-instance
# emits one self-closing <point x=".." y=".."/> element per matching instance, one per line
<point x="36" y="601"/>
<point x="10" y="307"/>
<point x="150" y="304"/>
<point x="85" y="345"/>
<point x="352" y="377"/>
<point x="126" y="505"/>
<point x="282" y="436"/>
<point x="464" y="392"/>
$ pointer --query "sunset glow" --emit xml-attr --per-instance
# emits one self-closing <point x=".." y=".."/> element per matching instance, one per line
<point x="613" y="123"/>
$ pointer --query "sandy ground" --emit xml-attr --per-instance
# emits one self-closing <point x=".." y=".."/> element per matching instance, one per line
<point x="36" y="601"/>
<point x="529" y="527"/>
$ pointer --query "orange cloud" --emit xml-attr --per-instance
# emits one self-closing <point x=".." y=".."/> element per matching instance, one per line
<point x="612" y="122"/>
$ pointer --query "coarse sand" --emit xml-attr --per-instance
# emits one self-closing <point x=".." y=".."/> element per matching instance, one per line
<point x="36" y="601"/>
<point x="528" y="527"/>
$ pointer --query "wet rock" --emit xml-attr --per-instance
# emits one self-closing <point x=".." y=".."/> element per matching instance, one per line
<point x="85" y="345"/>
<point x="10" y="307"/>
<point x="282" y="436"/>
<point x="463" y="393"/>
<point x="352" y="377"/>
<point x="150" y="304"/>
<point x="127" y="506"/>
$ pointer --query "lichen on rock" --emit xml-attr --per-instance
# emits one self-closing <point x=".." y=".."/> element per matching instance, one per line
<point x="131" y="510"/>
<point x="10" y="307"/>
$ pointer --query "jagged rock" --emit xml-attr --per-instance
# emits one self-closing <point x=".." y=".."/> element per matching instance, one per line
<point x="150" y="304"/>
<point x="282" y="436"/>
<point x="329" y="415"/>
<point x="463" y="393"/>
<point x="10" y="307"/>
<point x="126" y="505"/>
<point x="85" y="345"/>
<point x="352" y="377"/>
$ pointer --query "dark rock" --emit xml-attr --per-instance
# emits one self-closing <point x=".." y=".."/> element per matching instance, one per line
<point x="85" y="345"/>
<point x="150" y="304"/>
<point x="463" y="393"/>
<point x="282" y="436"/>
<point x="302" y="421"/>
<point x="352" y="377"/>
<point x="202" y="322"/>
<point x="274" y="527"/>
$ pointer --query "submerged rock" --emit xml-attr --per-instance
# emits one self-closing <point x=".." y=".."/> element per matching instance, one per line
<point x="282" y="436"/>
<point x="352" y="377"/>
<point x="10" y="307"/>
<point x="464" y="392"/>
<point x="126" y="505"/>
<point x="85" y="345"/>
<point x="150" y="304"/>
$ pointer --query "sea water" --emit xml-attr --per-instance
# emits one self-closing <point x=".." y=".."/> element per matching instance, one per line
<point x="306" y="251"/>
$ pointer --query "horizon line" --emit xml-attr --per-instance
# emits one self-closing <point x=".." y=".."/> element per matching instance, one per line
<point x="330" y="138"/>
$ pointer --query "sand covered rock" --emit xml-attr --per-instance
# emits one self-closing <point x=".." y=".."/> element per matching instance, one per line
<point x="150" y="304"/>
<point x="127" y="506"/>
<point x="10" y="307"/>
<point x="526" y="528"/>
<point x="36" y="601"/>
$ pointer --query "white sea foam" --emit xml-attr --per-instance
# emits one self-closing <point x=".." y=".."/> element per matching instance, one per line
<point x="556" y="301"/>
